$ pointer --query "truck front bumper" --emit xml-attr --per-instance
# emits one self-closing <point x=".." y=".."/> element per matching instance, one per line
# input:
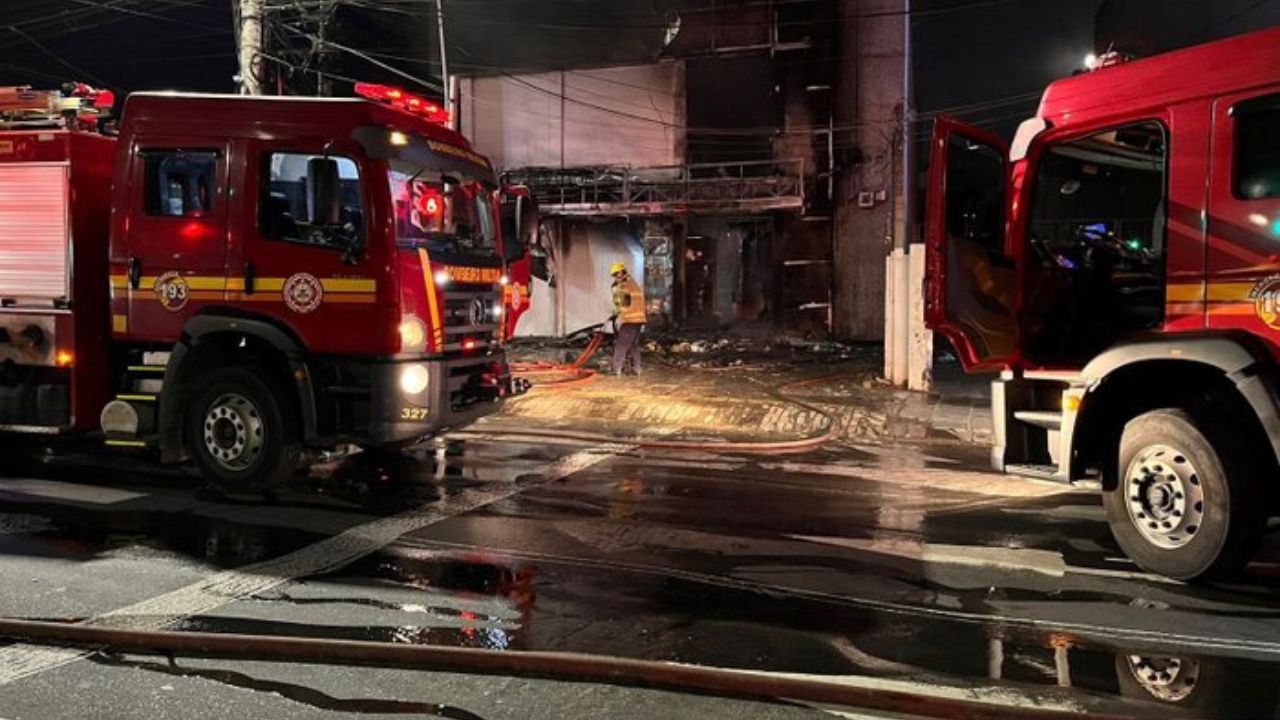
<point x="402" y="401"/>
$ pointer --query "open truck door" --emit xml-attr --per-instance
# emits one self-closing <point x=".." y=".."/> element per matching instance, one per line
<point x="520" y="221"/>
<point x="969" y="285"/>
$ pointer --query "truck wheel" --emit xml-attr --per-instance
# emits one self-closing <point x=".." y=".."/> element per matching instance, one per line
<point x="242" y="433"/>
<point x="1180" y="504"/>
<point x="1183" y="682"/>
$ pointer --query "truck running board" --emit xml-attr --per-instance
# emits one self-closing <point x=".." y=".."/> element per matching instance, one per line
<point x="1038" y="472"/>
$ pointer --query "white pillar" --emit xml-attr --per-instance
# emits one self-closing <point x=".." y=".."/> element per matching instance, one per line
<point x="890" y="274"/>
<point x="919" y="337"/>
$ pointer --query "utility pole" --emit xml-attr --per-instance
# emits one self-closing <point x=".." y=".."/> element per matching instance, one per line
<point x="322" y="84"/>
<point x="446" y="82"/>
<point x="250" y="50"/>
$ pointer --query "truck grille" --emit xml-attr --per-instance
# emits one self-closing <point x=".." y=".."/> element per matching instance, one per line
<point x="470" y="314"/>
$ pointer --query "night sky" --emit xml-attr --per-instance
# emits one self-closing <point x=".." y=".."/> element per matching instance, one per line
<point x="1001" y="51"/>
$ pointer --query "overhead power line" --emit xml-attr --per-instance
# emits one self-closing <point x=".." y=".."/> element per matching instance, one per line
<point x="622" y="24"/>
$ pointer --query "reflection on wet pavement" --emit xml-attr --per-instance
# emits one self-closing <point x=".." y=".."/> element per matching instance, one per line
<point x="297" y="693"/>
<point x="911" y="564"/>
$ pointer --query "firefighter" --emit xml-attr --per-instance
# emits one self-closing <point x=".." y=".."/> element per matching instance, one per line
<point x="628" y="313"/>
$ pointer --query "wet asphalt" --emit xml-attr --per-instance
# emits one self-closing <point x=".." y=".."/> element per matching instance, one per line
<point x="902" y="567"/>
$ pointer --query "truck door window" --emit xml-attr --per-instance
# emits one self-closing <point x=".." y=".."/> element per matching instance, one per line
<point x="180" y="183"/>
<point x="1257" y="148"/>
<point x="283" y="204"/>
<point x="975" y="194"/>
<point x="1095" y="266"/>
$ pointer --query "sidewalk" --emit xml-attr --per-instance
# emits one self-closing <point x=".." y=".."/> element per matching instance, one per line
<point x="959" y="404"/>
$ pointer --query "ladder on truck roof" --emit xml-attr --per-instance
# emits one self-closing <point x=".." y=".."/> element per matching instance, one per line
<point x="75" y="106"/>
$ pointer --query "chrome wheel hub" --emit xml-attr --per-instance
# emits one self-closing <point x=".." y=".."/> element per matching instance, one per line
<point x="1169" y="679"/>
<point x="1165" y="498"/>
<point x="233" y="432"/>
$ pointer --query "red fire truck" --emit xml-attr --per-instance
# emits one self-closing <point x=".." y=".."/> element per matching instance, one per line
<point x="520" y="220"/>
<point x="241" y="280"/>
<point x="1119" y="265"/>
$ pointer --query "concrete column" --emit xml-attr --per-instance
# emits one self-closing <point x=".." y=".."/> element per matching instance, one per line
<point x="901" y="315"/>
<point x="919" y="343"/>
<point x="890" y="346"/>
<point x="995" y="658"/>
<point x="1062" y="664"/>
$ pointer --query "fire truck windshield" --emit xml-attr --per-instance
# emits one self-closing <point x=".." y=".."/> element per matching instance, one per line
<point x="442" y="210"/>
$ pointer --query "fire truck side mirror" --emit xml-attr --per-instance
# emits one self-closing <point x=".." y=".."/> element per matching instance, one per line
<point x="323" y="202"/>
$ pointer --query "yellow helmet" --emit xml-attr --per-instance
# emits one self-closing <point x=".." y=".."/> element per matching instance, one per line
<point x="617" y="268"/>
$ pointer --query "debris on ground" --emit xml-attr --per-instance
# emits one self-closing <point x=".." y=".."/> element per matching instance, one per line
<point x="723" y="351"/>
<point x="729" y="385"/>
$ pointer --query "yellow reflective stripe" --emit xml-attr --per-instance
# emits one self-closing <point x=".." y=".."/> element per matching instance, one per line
<point x="194" y="282"/>
<point x="120" y="323"/>
<point x="127" y="443"/>
<point x="1230" y="291"/>
<point x="137" y="398"/>
<point x="1213" y="292"/>
<point x="1184" y="292"/>
<point x="197" y="282"/>
<point x="264" y="284"/>
<point x="433" y="304"/>
<point x="357" y="285"/>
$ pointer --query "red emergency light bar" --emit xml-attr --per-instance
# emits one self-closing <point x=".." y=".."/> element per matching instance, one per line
<point x="401" y="100"/>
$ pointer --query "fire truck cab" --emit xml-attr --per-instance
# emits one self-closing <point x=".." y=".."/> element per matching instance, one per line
<point x="241" y="280"/>
<point x="1119" y="266"/>
<point x="520" y="226"/>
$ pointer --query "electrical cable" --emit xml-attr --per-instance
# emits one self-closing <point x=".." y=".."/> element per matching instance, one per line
<point x="975" y="4"/>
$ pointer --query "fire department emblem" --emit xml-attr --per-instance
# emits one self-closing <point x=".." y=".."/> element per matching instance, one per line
<point x="303" y="293"/>
<point x="172" y="291"/>
<point x="1266" y="301"/>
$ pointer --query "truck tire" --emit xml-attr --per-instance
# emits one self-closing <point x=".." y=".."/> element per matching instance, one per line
<point x="1183" y="502"/>
<point x="1187" y="683"/>
<point x="242" y="432"/>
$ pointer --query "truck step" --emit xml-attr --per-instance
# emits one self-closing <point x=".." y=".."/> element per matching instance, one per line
<point x="1039" y="472"/>
<point x="144" y="379"/>
<point x="128" y="443"/>
<point x="1047" y="419"/>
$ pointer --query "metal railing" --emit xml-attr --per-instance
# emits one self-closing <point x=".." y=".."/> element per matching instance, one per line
<point x="665" y="189"/>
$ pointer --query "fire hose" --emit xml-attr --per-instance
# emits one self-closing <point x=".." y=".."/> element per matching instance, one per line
<point x="554" y="666"/>
<point x="580" y="374"/>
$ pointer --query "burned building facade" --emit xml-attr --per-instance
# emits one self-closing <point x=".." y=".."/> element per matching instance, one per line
<point x="748" y="168"/>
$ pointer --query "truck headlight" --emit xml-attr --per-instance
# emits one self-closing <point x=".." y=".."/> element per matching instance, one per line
<point x="413" y="334"/>
<point x="414" y="379"/>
